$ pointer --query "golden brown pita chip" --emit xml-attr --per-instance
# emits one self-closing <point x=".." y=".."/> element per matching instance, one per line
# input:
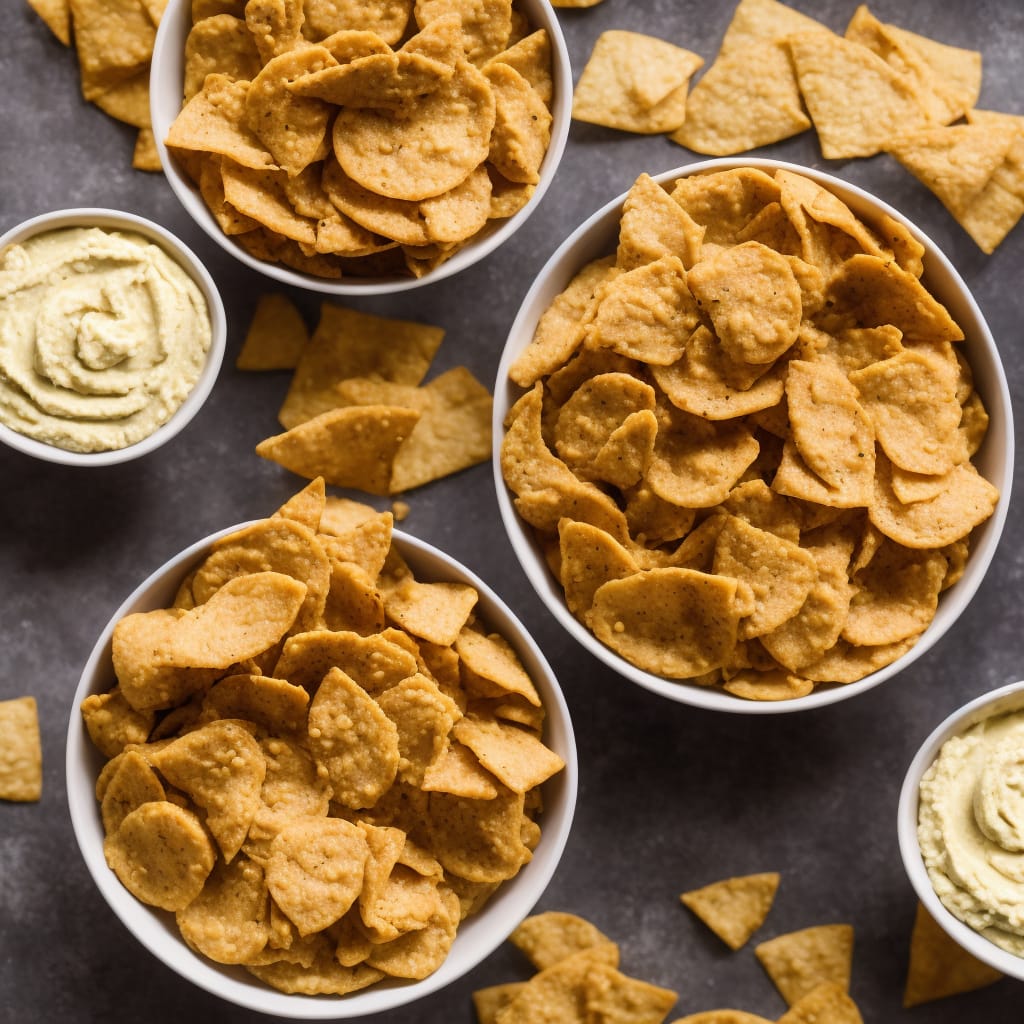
<point x="353" y="447"/>
<point x="857" y="102"/>
<point x="757" y="20"/>
<point x="350" y="343"/>
<point x="747" y="98"/>
<point x="736" y="907"/>
<point x="635" y="83"/>
<point x="947" y="78"/>
<point x="145" y="156"/>
<point x="829" y="1001"/>
<point x="798" y="962"/>
<point x="277" y="335"/>
<point x="938" y="967"/>
<point x="21" y="753"/>
<point x="56" y="15"/>
<point x="549" y="937"/>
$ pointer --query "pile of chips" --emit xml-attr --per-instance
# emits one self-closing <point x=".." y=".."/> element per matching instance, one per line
<point x="320" y="764"/>
<point x="356" y="412"/>
<point x="876" y="88"/>
<point x="114" y="42"/>
<point x="341" y="140"/>
<point x="746" y="436"/>
<point x="578" y="977"/>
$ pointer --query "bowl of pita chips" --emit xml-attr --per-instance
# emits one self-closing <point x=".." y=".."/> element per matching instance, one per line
<point x="360" y="801"/>
<point x="753" y="439"/>
<point x="344" y="151"/>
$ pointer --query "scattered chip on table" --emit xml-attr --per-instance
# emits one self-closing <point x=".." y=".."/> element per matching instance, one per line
<point x="938" y="967"/>
<point x="21" y="753"/>
<point x="798" y="962"/>
<point x="734" y="908"/>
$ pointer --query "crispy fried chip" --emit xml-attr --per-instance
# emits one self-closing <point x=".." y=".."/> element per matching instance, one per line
<point x="349" y="447"/>
<point x="352" y="740"/>
<point x="132" y="784"/>
<point x="245" y="617"/>
<point x="723" y="1017"/>
<point x="213" y="121"/>
<point x="653" y="225"/>
<point x="613" y="996"/>
<point x="635" y="83"/>
<point x="479" y="840"/>
<point x="647" y="313"/>
<point x="522" y="126"/>
<point x="220" y="44"/>
<point x="736" y="907"/>
<point x="161" y="854"/>
<point x="752" y="298"/>
<point x="857" y="102"/>
<point x="459" y="772"/>
<point x="831" y="430"/>
<point x="938" y="967"/>
<point x="112" y="723"/>
<point x="425" y="153"/>
<point x="221" y="767"/>
<point x="227" y="921"/>
<point x="453" y="431"/>
<point x="589" y="558"/>
<point x="418" y="953"/>
<point x="145" y="156"/>
<point x="747" y="98"/>
<point x="350" y="343"/>
<point x="798" y="962"/>
<point x="828" y="1001"/>
<point x="488" y="1001"/>
<point x="560" y="329"/>
<point x="56" y="15"/>
<point x="424" y="717"/>
<point x="114" y="41"/>
<point x="675" y="622"/>
<point x="547" y="938"/>
<point x="315" y="870"/>
<point x="516" y="757"/>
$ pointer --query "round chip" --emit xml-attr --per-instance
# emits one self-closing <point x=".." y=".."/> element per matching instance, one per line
<point x="429" y="149"/>
<point x="162" y="855"/>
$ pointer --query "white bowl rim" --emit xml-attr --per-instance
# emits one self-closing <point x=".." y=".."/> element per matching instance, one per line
<point x="712" y="698"/>
<point x="231" y="984"/>
<point x="995" y="702"/>
<point x="165" y="51"/>
<point x="111" y="219"/>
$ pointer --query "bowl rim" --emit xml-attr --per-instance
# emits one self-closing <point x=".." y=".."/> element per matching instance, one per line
<point x="550" y="280"/>
<point x="168" y="57"/>
<point x="232" y="983"/>
<point x="120" y="220"/>
<point x="1003" y="699"/>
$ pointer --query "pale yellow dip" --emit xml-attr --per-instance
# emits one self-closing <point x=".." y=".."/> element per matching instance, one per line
<point x="971" y="828"/>
<point x="102" y="337"/>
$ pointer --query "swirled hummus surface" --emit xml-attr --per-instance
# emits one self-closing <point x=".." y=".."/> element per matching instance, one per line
<point x="102" y="337"/>
<point x="971" y="828"/>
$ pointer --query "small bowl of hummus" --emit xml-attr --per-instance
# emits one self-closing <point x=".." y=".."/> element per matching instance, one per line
<point x="961" y="827"/>
<point x="112" y="334"/>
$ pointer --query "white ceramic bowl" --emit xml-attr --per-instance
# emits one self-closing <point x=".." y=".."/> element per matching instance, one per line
<point x="596" y="237"/>
<point x="117" y="220"/>
<point x="1005" y="699"/>
<point x="166" y="84"/>
<point x="477" y="937"/>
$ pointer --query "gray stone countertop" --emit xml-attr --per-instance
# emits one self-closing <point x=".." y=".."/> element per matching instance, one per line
<point x="670" y="797"/>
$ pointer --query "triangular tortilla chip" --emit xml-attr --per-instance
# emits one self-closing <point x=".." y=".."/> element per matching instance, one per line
<point x="635" y="83"/>
<point x="947" y="78"/>
<point x="955" y="162"/>
<point x="760" y="20"/>
<point x="277" y="335"/>
<point x="747" y="98"/>
<point x="857" y="102"/>
<point x="827" y="1002"/>
<point x="734" y="908"/>
<point x="352" y="447"/>
<point x="938" y="967"/>
<point x="798" y="962"/>
<point x="57" y="16"/>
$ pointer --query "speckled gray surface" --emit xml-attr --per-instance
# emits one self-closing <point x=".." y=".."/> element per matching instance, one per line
<point x="670" y="797"/>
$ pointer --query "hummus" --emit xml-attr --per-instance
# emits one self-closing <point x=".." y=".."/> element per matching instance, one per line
<point x="102" y="337"/>
<point x="971" y="828"/>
